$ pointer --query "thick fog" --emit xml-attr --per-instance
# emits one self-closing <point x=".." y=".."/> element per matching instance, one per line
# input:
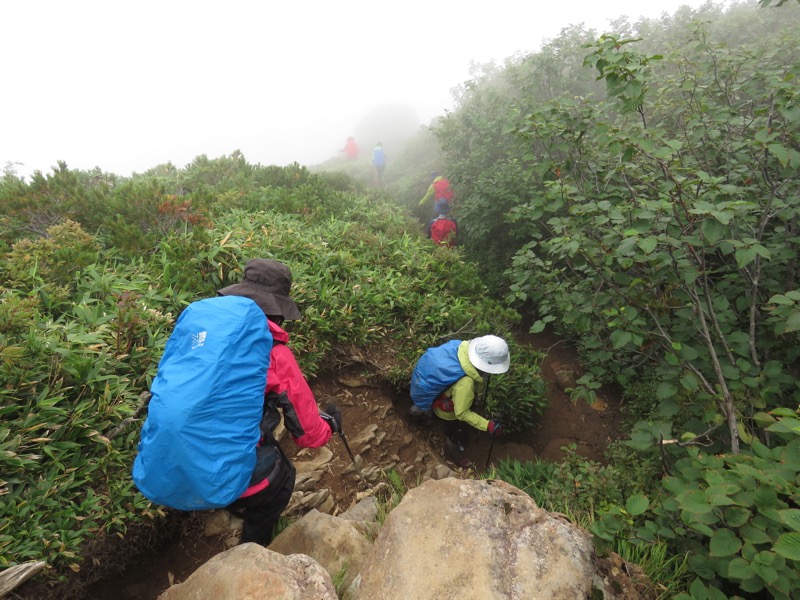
<point x="128" y="85"/>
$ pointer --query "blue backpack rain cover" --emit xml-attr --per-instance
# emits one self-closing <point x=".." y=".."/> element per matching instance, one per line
<point x="198" y="445"/>
<point x="437" y="370"/>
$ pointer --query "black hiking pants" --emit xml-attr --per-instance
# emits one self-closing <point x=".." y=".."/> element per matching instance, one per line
<point x="457" y="431"/>
<point x="263" y="509"/>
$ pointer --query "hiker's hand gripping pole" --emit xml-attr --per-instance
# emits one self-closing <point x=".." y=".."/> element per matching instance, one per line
<point x="333" y="410"/>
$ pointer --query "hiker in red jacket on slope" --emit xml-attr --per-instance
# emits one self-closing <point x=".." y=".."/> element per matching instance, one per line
<point x="268" y="283"/>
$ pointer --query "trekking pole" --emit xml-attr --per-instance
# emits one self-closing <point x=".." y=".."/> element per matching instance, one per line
<point x="489" y="456"/>
<point x="485" y="396"/>
<point x="350" y="452"/>
<point x="485" y="400"/>
<point x="491" y="445"/>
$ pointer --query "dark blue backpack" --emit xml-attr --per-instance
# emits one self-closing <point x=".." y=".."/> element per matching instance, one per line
<point x="437" y="370"/>
<point x="198" y="444"/>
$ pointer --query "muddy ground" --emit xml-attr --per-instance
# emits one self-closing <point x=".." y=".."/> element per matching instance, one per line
<point x="366" y="403"/>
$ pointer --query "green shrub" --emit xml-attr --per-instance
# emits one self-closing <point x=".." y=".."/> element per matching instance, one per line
<point x="576" y="486"/>
<point x="47" y="266"/>
<point x="735" y="515"/>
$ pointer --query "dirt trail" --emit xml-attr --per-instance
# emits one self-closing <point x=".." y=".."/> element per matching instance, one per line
<point x="378" y="429"/>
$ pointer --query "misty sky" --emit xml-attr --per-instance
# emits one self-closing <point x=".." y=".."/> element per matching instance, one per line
<point x="128" y="85"/>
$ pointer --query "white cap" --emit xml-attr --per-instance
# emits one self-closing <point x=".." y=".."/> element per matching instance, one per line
<point x="489" y="354"/>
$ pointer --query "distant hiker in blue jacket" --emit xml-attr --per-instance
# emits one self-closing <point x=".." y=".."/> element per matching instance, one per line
<point x="448" y="378"/>
<point x="379" y="163"/>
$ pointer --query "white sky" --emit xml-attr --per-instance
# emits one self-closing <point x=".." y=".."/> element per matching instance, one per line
<point x="127" y="85"/>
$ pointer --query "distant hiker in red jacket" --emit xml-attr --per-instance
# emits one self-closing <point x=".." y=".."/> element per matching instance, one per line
<point x="442" y="229"/>
<point x="268" y="283"/>
<point x="350" y="148"/>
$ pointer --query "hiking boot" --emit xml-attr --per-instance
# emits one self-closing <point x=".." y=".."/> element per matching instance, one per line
<point x="455" y="452"/>
<point x="416" y="413"/>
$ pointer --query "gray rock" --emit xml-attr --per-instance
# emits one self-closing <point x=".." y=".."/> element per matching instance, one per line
<point x="475" y="540"/>
<point x="337" y="544"/>
<point x="252" y="571"/>
<point x="365" y="510"/>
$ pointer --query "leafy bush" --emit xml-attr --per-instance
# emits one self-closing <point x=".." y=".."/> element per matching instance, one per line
<point x="736" y="515"/>
<point x="576" y="486"/>
<point x="29" y="210"/>
<point x="68" y="386"/>
<point x="48" y="265"/>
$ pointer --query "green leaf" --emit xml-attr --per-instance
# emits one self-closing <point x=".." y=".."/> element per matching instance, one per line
<point x="695" y="502"/>
<point x="781" y="153"/>
<point x="620" y="338"/>
<point x="790" y="113"/>
<point x="698" y="590"/>
<point x="753" y="584"/>
<point x="724" y="543"/>
<point x="648" y="244"/>
<point x="666" y="390"/>
<point x="702" y="528"/>
<point x="791" y="518"/>
<point x="788" y="546"/>
<point x="763" y="135"/>
<point x="636" y="505"/>
<point x="744" y="256"/>
<point x="739" y="569"/>
<point x="700" y="564"/>
<point x="736" y="516"/>
<point x="767" y="574"/>
<point x="715" y="594"/>
<point x="537" y="327"/>
<point x="720" y="500"/>
<point x="780" y="299"/>
<point x="763" y="419"/>
<point x="765" y="498"/>
<point x="713" y="231"/>
<point x="689" y="382"/>
<point x="792" y="323"/>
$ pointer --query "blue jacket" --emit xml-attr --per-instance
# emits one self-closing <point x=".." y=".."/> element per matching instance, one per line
<point x="379" y="157"/>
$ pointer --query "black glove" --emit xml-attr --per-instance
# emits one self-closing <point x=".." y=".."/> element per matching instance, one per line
<point x="333" y="417"/>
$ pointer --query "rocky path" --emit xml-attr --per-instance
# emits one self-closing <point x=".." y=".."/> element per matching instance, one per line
<point x="382" y="438"/>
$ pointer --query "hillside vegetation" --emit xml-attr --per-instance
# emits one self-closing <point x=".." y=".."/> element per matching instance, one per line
<point x="97" y="268"/>
<point x="637" y="193"/>
<point x="641" y="190"/>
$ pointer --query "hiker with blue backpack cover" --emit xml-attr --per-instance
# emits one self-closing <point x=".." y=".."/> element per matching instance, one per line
<point x="446" y="381"/>
<point x="208" y="439"/>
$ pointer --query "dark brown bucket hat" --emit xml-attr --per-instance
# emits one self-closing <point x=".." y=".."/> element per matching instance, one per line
<point x="267" y="282"/>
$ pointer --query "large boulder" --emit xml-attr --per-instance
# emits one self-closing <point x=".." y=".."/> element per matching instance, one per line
<point x="251" y="571"/>
<point x="338" y="544"/>
<point x="451" y="538"/>
<point x="475" y="540"/>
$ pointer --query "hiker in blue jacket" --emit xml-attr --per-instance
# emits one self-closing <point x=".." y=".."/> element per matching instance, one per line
<point x="379" y="163"/>
<point x="448" y="379"/>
